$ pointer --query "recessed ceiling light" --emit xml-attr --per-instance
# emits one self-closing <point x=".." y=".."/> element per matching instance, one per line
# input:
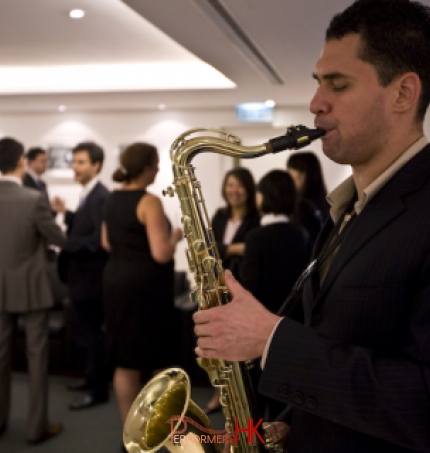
<point x="77" y="13"/>
<point x="61" y="108"/>
<point x="270" y="103"/>
<point x="162" y="107"/>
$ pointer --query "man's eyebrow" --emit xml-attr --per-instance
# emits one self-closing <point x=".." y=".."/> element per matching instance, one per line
<point x="329" y="76"/>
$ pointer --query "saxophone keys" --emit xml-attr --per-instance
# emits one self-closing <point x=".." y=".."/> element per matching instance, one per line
<point x="208" y="264"/>
<point x="169" y="192"/>
<point x="199" y="246"/>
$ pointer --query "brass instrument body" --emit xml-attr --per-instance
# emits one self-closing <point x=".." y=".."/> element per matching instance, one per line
<point x="236" y="393"/>
<point x="144" y="430"/>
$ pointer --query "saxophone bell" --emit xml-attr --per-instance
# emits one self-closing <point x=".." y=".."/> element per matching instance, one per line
<point x="164" y="415"/>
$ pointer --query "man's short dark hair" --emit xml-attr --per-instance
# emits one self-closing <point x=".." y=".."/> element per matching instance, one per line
<point x="10" y="152"/>
<point x="95" y="152"/>
<point x="32" y="153"/>
<point x="395" y="36"/>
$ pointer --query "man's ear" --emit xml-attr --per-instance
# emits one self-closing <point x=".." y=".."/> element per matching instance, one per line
<point x="407" y="92"/>
<point x="97" y="167"/>
<point x="21" y="163"/>
<point x="21" y="166"/>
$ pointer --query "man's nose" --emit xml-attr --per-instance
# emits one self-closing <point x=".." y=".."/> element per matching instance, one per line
<point x="319" y="102"/>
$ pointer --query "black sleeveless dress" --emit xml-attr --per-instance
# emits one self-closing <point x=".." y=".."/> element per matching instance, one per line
<point x="141" y="321"/>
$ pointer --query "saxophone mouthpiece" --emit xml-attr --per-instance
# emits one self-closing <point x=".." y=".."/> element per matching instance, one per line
<point x="296" y="137"/>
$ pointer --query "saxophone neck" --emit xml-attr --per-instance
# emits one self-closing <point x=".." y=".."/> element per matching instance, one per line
<point x="187" y="145"/>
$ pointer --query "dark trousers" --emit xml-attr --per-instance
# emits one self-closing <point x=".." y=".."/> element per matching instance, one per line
<point x="37" y="350"/>
<point x="87" y="318"/>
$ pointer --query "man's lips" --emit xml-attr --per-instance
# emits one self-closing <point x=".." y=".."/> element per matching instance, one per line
<point x="327" y="131"/>
<point x="321" y="125"/>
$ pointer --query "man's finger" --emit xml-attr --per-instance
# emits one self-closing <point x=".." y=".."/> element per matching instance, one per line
<point x="206" y="343"/>
<point x="202" y="330"/>
<point x="204" y="316"/>
<point x="232" y="284"/>
<point x="205" y="353"/>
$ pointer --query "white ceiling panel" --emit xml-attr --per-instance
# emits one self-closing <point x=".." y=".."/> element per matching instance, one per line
<point x="267" y="48"/>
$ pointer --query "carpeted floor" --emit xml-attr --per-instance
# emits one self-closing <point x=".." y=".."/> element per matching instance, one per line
<point x="94" y="430"/>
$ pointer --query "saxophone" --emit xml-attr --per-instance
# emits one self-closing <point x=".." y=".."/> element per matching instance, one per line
<point x="166" y="398"/>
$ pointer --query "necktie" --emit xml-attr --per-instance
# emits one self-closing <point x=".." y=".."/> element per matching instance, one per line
<point x="41" y="185"/>
<point x="325" y="257"/>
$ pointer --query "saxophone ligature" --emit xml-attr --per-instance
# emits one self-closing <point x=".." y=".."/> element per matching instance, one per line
<point x="167" y="395"/>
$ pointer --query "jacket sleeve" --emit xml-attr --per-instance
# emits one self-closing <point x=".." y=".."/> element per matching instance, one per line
<point x="386" y="396"/>
<point x="68" y="218"/>
<point x="45" y="223"/>
<point x="91" y="241"/>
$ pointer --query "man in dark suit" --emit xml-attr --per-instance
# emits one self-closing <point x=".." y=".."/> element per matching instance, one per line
<point x="356" y="375"/>
<point x="37" y="161"/>
<point x="26" y="225"/>
<point x="85" y="260"/>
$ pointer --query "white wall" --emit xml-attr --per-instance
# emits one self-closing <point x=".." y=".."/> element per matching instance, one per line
<point x="111" y="130"/>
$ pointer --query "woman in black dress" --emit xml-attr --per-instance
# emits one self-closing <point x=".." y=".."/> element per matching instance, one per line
<point x="138" y="278"/>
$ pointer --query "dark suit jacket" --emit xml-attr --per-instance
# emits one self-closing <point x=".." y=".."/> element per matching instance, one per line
<point x="219" y="224"/>
<point x="358" y="373"/>
<point x="275" y="255"/>
<point x="85" y="257"/>
<point x="28" y="181"/>
<point x="26" y="227"/>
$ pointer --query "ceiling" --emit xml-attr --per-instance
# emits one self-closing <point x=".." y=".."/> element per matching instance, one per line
<point x="265" y="48"/>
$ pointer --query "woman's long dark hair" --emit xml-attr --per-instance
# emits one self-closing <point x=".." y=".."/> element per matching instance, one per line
<point x="314" y="188"/>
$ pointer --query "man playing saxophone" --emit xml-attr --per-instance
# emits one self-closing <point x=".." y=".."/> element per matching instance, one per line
<point x="356" y="375"/>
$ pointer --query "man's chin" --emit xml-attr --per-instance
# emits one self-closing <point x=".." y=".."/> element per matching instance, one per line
<point x="334" y="155"/>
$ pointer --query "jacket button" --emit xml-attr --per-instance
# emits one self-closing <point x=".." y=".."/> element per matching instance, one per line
<point x="298" y="398"/>
<point x="284" y="391"/>
<point x="311" y="403"/>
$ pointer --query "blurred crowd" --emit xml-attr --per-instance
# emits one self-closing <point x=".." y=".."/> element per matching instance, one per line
<point x="116" y="258"/>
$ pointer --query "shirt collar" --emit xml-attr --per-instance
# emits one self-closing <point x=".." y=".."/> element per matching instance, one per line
<point x="34" y="175"/>
<point x="14" y="179"/>
<point x="341" y="196"/>
<point x="89" y="187"/>
<point x="268" y="219"/>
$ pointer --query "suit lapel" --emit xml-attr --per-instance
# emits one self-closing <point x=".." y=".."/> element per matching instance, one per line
<point x="374" y="218"/>
<point x="378" y="213"/>
<point x="313" y="287"/>
<point x="86" y="201"/>
<point x="238" y="237"/>
<point x="244" y="226"/>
